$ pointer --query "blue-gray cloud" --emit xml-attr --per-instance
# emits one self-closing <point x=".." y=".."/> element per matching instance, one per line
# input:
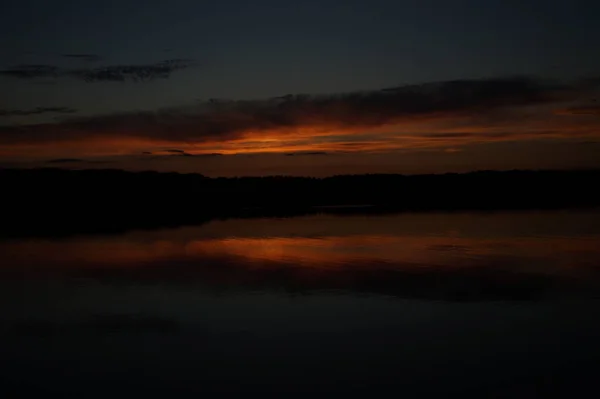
<point x="37" y="111"/>
<point x="83" y="57"/>
<point x="110" y="73"/>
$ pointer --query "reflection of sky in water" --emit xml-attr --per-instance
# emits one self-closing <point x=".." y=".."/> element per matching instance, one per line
<point x="448" y="256"/>
<point x="402" y="251"/>
<point x="543" y="241"/>
<point x="321" y="303"/>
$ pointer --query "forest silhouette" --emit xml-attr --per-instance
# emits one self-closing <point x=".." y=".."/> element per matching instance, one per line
<point x="56" y="202"/>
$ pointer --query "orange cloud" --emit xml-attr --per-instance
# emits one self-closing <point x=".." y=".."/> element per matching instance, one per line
<point x="583" y="110"/>
<point x="438" y="115"/>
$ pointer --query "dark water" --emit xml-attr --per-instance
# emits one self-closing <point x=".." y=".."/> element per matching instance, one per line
<point x="412" y="305"/>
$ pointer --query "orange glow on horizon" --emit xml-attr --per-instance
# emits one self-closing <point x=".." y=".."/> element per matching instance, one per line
<point x="432" y="132"/>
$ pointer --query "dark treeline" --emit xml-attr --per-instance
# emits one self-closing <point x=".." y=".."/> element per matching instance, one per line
<point x="52" y="201"/>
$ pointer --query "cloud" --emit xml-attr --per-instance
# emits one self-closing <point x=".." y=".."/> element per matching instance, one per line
<point x="201" y="155"/>
<point x="83" y="57"/>
<point x="452" y="135"/>
<point x="174" y="152"/>
<point x="31" y="71"/>
<point x="583" y="110"/>
<point x="415" y="116"/>
<point x="110" y="73"/>
<point x="301" y="153"/>
<point x="70" y="162"/>
<point x="37" y="111"/>
<point x="65" y="160"/>
<point x="208" y="155"/>
<point x="170" y="153"/>
<point x="136" y="73"/>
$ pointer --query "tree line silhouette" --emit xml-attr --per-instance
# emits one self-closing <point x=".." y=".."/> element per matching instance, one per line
<point x="53" y="201"/>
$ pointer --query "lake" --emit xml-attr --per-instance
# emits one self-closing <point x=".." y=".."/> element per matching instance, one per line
<point x="481" y="304"/>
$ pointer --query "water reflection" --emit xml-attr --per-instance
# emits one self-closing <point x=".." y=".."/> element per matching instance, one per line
<point x="483" y="304"/>
<point x="437" y="256"/>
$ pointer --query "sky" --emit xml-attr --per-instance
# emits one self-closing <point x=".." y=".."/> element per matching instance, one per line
<point x="303" y="88"/>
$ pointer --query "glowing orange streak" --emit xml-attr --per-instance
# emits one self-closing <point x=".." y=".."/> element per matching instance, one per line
<point x="325" y="252"/>
<point x="410" y="134"/>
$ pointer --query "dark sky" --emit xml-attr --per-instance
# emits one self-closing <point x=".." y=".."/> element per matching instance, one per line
<point x="86" y="67"/>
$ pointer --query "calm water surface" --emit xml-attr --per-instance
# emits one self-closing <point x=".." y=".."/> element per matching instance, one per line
<point x="431" y="304"/>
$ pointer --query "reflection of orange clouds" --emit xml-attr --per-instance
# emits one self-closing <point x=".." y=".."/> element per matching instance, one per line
<point x="417" y="251"/>
<point x="330" y="252"/>
<point x="85" y="252"/>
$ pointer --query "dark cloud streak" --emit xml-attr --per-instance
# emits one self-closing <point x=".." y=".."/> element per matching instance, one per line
<point x="37" y="111"/>
<point x="111" y="73"/>
<point x="227" y="120"/>
<point x="65" y="160"/>
<point x="583" y="110"/>
<point x="306" y="153"/>
<point x="75" y="161"/>
<point x="31" y="71"/>
<point x="171" y="154"/>
<point x="83" y="57"/>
